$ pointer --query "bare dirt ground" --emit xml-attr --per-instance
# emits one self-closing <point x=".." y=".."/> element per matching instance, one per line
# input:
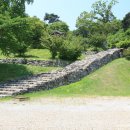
<point x="97" y="113"/>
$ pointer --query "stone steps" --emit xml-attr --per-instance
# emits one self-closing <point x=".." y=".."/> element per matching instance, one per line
<point x="21" y="86"/>
<point x="71" y="73"/>
<point x="11" y="89"/>
<point x="6" y="92"/>
<point x="4" y="95"/>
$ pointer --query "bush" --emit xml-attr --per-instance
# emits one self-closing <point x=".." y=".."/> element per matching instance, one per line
<point x="97" y="41"/>
<point x="71" y="49"/>
<point x="123" y="44"/>
<point x="126" y="52"/>
<point x="64" y="47"/>
<point x="118" y="39"/>
<point x="52" y="43"/>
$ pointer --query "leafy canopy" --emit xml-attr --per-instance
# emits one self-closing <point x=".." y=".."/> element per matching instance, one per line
<point x="51" y="18"/>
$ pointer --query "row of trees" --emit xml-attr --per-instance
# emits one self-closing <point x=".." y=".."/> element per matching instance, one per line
<point x="96" y="30"/>
<point x="101" y="29"/>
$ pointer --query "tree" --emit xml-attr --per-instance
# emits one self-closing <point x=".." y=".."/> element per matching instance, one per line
<point x="71" y="48"/>
<point x="103" y="10"/>
<point x="52" y="43"/>
<point x="58" y="26"/>
<point x="13" y="35"/>
<point x="99" y="19"/>
<point x="97" y="24"/>
<point x="85" y="23"/>
<point x="65" y="47"/>
<point x="120" y="39"/>
<point x="51" y="18"/>
<point x="14" y="7"/>
<point x="35" y="31"/>
<point x="14" y="26"/>
<point x="126" y="21"/>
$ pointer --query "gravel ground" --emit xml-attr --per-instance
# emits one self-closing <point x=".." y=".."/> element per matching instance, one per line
<point x="97" y="113"/>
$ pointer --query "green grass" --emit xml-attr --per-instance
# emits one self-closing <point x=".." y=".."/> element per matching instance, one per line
<point x="12" y="71"/>
<point x="36" y="54"/>
<point x="39" y="54"/>
<point x="112" y="79"/>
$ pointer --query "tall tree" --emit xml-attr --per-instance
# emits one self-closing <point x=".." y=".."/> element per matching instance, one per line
<point x="126" y="21"/>
<point x="103" y="10"/>
<point x="13" y="26"/>
<point x="51" y="18"/>
<point x="59" y="26"/>
<point x="98" y="23"/>
<point x="14" y="7"/>
<point x="85" y="23"/>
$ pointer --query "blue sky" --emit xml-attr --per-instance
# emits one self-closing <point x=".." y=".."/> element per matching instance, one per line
<point x="69" y="10"/>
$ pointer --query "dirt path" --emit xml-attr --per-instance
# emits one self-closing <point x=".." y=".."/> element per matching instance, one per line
<point x="100" y="113"/>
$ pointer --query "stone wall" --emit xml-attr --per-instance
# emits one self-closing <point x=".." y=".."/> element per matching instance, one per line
<point x="77" y="70"/>
<point x="71" y="73"/>
<point x="55" y="63"/>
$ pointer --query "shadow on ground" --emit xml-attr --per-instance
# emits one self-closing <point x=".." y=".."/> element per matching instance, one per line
<point x="12" y="71"/>
<point x="128" y="57"/>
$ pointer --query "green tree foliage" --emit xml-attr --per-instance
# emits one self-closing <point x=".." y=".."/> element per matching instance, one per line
<point x="51" y="18"/>
<point x="52" y="43"/>
<point x="110" y="27"/>
<point x="14" y="26"/>
<point x="99" y="19"/>
<point x="121" y="39"/>
<point x="71" y="49"/>
<point x="65" y="47"/>
<point x="35" y="31"/>
<point x="97" y="24"/>
<point x="126" y="21"/>
<point x="58" y="26"/>
<point x="13" y="35"/>
<point x="15" y="8"/>
<point x="103" y="10"/>
<point x="97" y="42"/>
<point x="85" y="23"/>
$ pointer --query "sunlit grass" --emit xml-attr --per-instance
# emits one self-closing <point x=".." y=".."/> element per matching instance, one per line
<point x="36" y="54"/>
<point x="39" y="54"/>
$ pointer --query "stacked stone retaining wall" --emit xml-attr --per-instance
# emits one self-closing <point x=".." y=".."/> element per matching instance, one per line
<point x="44" y="63"/>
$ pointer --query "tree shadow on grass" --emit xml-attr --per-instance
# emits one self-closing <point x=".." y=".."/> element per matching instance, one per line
<point x="128" y="57"/>
<point x="12" y="71"/>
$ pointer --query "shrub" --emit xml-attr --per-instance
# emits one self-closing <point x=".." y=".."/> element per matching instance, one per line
<point x="52" y="43"/>
<point x="123" y="44"/>
<point x="97" y="41"/>
<point x="120" y="39"/>
<point x="126" y="52"/>
<point x="71" y="49"/>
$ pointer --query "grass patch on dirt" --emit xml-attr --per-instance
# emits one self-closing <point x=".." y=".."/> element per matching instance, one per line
<point x="112" y="79"/>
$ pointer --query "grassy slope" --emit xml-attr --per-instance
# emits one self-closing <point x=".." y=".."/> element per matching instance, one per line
<point x="11" y="71"/>
<point x="111" y="80"/>
<point x="39" y="54"/>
